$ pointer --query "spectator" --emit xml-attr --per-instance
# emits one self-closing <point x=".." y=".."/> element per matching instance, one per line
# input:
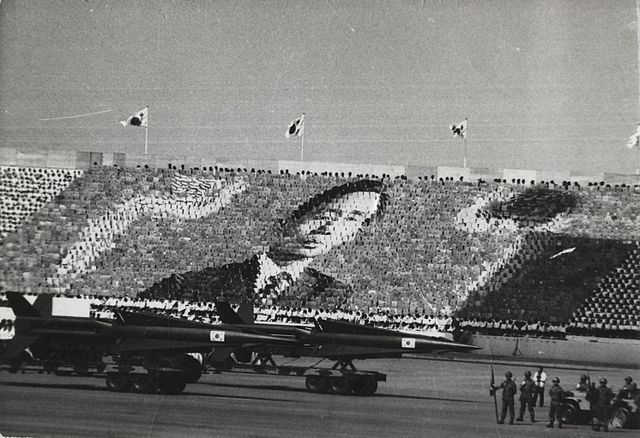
<point x="539" y="378"/>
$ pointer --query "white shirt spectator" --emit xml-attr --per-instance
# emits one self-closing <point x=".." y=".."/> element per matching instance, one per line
<point x="539" y="378"/>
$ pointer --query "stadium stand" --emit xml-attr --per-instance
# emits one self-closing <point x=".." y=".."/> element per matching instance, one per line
<point x="486" y="253"/>
<point x="24" y="190"/>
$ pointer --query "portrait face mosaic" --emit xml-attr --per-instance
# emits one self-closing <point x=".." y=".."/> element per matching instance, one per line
<point x="335" y="222"/>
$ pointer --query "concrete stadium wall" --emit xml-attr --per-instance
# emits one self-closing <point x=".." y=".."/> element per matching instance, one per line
<point x="484" y="173"/>
<point x="473" y="174"/>
<point x="558" y="177"/>
<point x="619" y="178"/>
<point x="61" y="160"/>
<point x="583" y="178"/>
<point x="453" y="172"/>
<point x="414" y="172"/>
<point x="624" y="353"/>
<point x="27" y="159"/>
<point x="8" y="157"/>
<point x="84" y="160"/>
<point x="355" y="169"/>
<point x="522" y="174"/>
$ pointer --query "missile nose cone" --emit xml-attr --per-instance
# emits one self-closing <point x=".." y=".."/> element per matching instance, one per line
<point x="225" y="336"/>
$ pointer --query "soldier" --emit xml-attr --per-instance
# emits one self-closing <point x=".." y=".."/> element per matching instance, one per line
<point x="629" y="390"/>
<point x="605" y="395"/>
<point x="556" y="394"/>
<point x="508" y="395"/>
<point x="539" y="378"/>
<point x="583" y="384"/>
<point x="592" y="398"/>
<point x="527" y="389"/>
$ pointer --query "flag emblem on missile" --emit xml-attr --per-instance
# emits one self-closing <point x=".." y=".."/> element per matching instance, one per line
<point x="216" y="336"/>
<point x="408" y="343"/>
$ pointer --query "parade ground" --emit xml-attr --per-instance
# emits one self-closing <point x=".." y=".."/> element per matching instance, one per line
<point x="434" y="398"/>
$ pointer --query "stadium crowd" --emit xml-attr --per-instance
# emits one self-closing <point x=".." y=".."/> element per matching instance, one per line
<point x="486" y="252"/>
<point x="436" y="325"/>
<point x="24" y="190"/>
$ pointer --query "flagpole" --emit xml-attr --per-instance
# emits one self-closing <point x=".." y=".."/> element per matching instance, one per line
<point x="465" y="154"/>
<point x="638" y="37"/>
<point x="302" y="146"/>
<point x="146" y="139"/>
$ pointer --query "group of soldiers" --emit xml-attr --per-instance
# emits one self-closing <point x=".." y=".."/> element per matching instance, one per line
<point x="532" y="389"/>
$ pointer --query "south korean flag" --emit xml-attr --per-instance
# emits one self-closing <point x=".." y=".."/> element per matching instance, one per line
<point x="408" y="343"/>
<point x="296" y="128"/>
<point x="459" y="130"/>
<point x="216" y="336"/>
<point x="139" y="119"/>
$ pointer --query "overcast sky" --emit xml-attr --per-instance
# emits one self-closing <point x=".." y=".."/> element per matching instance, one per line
<point x="545" y="84"/>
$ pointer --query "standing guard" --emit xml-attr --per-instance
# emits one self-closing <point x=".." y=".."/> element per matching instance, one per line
<point x="629" y="390"/>
<point x="556" y="394"/>
<point x="592" y="398"/>
<point x="509" y="390"/>
<point x="583" y="384"/>
<point x="527" y="389"/>
<point x="605" y="395"/>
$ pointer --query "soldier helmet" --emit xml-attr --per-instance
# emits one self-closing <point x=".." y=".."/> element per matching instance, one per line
<point x="628" y="379"/>
<point x="583" y="378"/>
<point x="556" y="380"/>
<point x="603" y="380"/>
<point x="508" y="374"/>
<point x="527" y="373"/>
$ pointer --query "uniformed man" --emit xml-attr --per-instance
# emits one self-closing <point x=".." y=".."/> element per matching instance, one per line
<point x="539" y="378"/>
<point x="592" y="398"/>
<point x="556" y="394"/>
<point x="629" y="390"/>
<point x="509" y="390"/>
<point x="527" y="388"/>
<point x="605" y="395"/>
<point x="583" y="384"/>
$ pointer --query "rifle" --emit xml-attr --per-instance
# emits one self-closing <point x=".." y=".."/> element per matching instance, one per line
<point x="492" y="391"/>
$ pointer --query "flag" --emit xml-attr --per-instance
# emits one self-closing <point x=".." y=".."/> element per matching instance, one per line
<point x="634" y="140"/>
<point x="460" y="129"/>
<point x="408" y="343"/>
<point x="296" y="128"/>
<point x="195" y="187"/>
<point x="139" y="119"/>
<point x="564" y="251"/>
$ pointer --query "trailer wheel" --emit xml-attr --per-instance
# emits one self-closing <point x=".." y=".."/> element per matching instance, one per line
<point x="81" y="368"/>
<point x="317" y="384"/>
<point x="171" y="384"/>
<point x="15" y="365"/>
<point x="118" y="382"/>
<point x="340" y="386"/>
<point x="570" y="413"/>
<point x="365" y="387"/>
<point x="191" y="368"/>
<point x="225" y="365"/>
<point x="620" y="418"/>
<point x="143" y="384"/>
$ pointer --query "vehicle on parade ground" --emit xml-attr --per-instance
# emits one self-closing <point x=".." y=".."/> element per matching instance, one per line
<point x="143" y="353"/>
<point x="148" y="353"/>
<point x="576" y="408"/>
<point x="623" y="413"/>
<point x="337" y="341"/>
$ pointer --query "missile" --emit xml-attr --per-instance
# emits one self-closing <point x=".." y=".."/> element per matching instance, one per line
<point x="407" y="343"/>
